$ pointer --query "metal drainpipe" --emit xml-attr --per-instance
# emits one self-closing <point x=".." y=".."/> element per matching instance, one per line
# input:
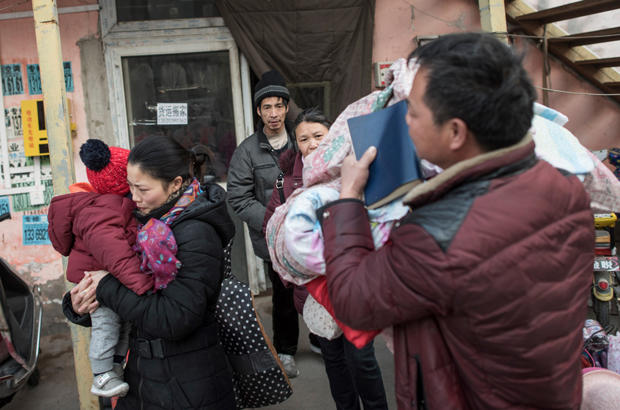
<point x="61" y="157"/>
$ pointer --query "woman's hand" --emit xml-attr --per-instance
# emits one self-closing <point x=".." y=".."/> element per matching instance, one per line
<point x="83" y="298"/>
<point x="96" y="277"/>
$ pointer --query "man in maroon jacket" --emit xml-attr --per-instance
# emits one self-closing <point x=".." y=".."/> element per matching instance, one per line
<point x="486" y="279"/>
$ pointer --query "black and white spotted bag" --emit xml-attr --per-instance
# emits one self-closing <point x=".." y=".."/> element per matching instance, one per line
<point x="258" y="376"/>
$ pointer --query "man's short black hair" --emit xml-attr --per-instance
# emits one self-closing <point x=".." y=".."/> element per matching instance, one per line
<point x="480" y="80"/>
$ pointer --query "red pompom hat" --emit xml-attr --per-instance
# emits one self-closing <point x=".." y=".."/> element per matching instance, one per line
<point x="106" y="167"/>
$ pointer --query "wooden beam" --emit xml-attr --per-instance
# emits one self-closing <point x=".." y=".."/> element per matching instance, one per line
<point x="570" y="11"/>
<point x="582" y="39"/>
<point x="615" y="84"/>
<point x="598" y="76"/>
<point x="493" y="17"/>
<point x="601" y="62"/>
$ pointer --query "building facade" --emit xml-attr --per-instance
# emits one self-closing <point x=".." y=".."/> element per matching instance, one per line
<point x="128" y="63"/>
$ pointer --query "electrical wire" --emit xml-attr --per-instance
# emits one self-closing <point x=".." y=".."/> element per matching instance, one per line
<point x="14" y="5"/>
<point x="577" y="37"/>
<point x="576" y="93"/>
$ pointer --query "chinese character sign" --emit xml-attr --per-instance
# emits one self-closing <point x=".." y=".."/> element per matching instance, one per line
<point x="5" y="210"/>
<point x="35" y="230"/>
<point x="12" y="83"/>
<point x="13" y="122"/>
<point x="35" y="135"/>
<point x="68" y="76"/>
<point x="34" y="79"/>
<point x="606" y="263"/>
<point x="171" y="114"/>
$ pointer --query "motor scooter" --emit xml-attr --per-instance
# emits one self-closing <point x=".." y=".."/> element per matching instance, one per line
<point x="21" y="311"/>
<point x="606" y="282"/>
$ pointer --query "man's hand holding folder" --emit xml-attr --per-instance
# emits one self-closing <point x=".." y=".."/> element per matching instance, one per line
<point x="355" y="173"/>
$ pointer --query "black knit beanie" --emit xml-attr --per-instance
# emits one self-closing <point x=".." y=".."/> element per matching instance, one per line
<point x="272" y="84"/>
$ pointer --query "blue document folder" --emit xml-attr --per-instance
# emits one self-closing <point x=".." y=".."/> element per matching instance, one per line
<point x="396" y="169"/>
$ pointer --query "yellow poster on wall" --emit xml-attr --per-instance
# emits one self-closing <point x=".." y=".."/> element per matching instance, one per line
<point x="35" y="131"/>
<point x="33" y="123"/>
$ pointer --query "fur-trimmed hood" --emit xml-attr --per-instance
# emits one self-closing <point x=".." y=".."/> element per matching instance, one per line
<point x="287" y="161"/>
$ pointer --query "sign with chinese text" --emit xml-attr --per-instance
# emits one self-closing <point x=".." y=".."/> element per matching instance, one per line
<point x="35" y="230"/>
<point x="171" y="114"/>
<point x="5" y="209"/>
<point x="34" y="78"/>
<point x="35" y="134"/>
<point x="68" y="76"/>
<point x="23" y="168"/>
<point x="606" y="263"/>
<point x="13" y="122"/>
<point x="12" y="83"/>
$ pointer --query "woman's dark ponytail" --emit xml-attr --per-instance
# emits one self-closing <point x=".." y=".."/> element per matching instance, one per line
<point x="164" y="158"/>
<point x="201" y="158"/>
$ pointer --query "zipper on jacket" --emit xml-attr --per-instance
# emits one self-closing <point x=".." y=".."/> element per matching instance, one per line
<point x="272" y="151"/>
<point x="140" y="385"/>
<point x="421" y="392"/>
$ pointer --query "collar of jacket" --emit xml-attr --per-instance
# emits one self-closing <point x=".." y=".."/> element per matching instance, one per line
<point x="471" y="169"/>
<point x="298" y="169"/>
<point x="263" y="142"/>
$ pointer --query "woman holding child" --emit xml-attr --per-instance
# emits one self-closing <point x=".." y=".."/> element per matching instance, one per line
<point x="175" y="360"/>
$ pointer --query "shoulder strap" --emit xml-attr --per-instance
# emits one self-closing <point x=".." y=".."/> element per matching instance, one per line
<point x="280" y="187"/>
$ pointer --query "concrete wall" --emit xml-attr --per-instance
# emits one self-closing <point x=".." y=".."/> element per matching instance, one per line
<point x="96" y="96"/>
<point x="41" y="264"/>
<point x="595" y="121"/>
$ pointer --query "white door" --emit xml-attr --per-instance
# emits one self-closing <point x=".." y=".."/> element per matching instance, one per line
<point x="198" y="65"/>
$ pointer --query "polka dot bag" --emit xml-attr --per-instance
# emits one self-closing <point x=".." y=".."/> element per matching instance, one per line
<point x="258" y="376"/>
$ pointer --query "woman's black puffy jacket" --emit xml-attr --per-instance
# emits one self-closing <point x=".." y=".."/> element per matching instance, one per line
<point x="175" y="360"/>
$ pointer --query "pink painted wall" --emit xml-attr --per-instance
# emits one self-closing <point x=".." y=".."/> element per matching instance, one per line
<point x="595" y="121"/>
<point x="41" y="264"/>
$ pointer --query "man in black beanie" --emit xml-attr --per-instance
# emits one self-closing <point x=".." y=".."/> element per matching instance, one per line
<point x="251" y="177"/>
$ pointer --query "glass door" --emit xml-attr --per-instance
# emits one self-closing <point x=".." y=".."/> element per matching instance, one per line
<point x="201" y="83"/>
<point x="198" y="69"/>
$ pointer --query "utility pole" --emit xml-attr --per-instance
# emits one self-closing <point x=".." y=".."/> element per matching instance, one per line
<point x="493" y="18"/>
<point x="61" y="158"/>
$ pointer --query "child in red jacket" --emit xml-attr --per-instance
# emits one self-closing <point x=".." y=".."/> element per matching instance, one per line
<point x="98" y="231"/>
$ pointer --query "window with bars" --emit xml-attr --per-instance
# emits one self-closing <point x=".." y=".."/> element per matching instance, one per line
<point x="315" y="94"/>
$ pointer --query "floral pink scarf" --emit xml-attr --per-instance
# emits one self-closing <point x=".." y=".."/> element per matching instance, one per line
<point x="156" y="242"/>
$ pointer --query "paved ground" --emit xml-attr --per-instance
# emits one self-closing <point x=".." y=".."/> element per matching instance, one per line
<point x="57" y="388"/>
<point x="311" y="388"/>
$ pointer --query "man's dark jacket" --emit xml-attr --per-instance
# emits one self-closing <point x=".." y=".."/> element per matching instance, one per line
<point x="485" y="281"/>
<point x="252" y="174"/>
<point x="193" y="373"/>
